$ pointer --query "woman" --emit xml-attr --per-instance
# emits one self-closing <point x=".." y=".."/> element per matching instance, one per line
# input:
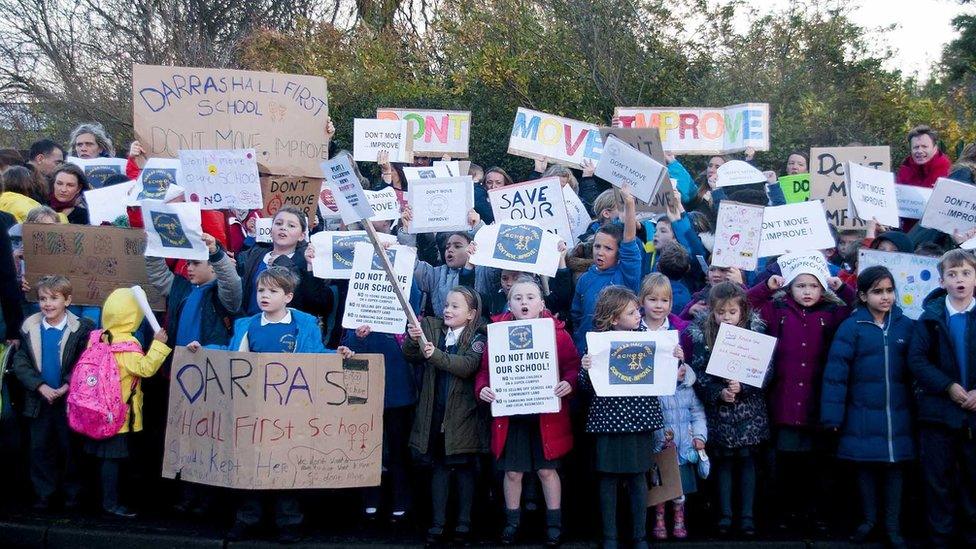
<point x="91" y="141"/>
<point x="797" y="163"/>
<point x="19" y="185"/>
<point x="67" y="193"/>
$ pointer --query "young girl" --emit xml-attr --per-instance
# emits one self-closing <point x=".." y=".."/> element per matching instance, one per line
<point x="803" y="316"/>
<point x="737" y="422"/>
<point x="449" y="428"/>
<point x="623" y="426"/>
<point x="866" y="397"/>
<point x="535" y="442"/>
<point x="684" y="416"/>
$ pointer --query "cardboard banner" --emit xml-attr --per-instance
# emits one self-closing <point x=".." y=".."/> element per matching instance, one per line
<point x="579" y="218"/>
<point x="441" y="204"/>
<point x="662" y="201"/>
<point x="622" y="165"/>
<point x="222" y="179"/>
<point x="334" y="251"/>
<point x="543" y="136"/>
<point x="385" y="204"/>
<point x="812" y="263"/>
<point x="97" y="170"/>
<point x="795" y="227"/>
<point x="97" y="260"/>
<point x="827" y="181"/>
<point x="281" y="116"/>
<point x="160" y="179"/>
<point x="346" y="189"/>
<point x="435" y="132"/>
<point x="796" y="188"/>
<point x="107" y="204"/>
<point x="633" y="363"/>
<point x="664" y="477"/>
<point x="540" y="201"/>
<point x="280" y="191"/>
<point x="916" y="276"/>
<point x="951" y="208"/>
<point x="912" y="200"/>
<point x="525" y="247"/>
<point x="738" y="232"/>
<point x="694" y="130"/>
<point x="871" y="194"/>
<point x="173" y="230"/>
<point x="370" y="299"/>
<point x="275" y="420"/>
<point x="645" y="140"/>
<point x="370" y="136"/>
<point x="738" y="172"/>
<point x="522" y="367"/>
<point x="741" y="355"/>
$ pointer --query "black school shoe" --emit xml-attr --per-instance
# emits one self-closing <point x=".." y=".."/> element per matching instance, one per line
<point x="241" y="531"/>
<point x="119" y="511"/>
<point x="289" y="534"/>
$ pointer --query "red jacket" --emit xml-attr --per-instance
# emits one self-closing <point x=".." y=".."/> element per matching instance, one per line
<point x="924" y="175"/>
<point x="556" y="429"/>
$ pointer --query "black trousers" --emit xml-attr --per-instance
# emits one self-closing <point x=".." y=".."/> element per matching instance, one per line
<point x="53" y="459"/>
<point x="873" y="478"/>
<point x="287" y="508"/>
<point x="948" y="458"/>
<point x="397" y="423"/>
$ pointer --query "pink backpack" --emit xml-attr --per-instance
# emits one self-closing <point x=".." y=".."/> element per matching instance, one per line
<point x="95" y="406"/>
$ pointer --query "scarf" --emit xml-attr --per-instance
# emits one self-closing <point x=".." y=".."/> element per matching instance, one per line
<point x="60" y="206"/>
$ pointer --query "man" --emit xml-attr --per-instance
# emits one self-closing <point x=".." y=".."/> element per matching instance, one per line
<point x="926" y="163"/>
<point x="45" y="156"/>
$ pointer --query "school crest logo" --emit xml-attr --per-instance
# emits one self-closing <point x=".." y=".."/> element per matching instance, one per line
<point x="519" y="243"/>
<point x="98" y="174"/>
<point x="170" y="230"/>
<point x="519" y="337"/>
<point x="632" y="363"/>
<point x="156" y="181"/>
<point x="377" y="265"/>
<point x="343" y="248"/>
<point x="288" y="343"/>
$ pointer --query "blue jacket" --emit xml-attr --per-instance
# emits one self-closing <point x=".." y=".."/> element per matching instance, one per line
<point x="309" y="339"/>
<point x="866" y="388"/>
<point x="627" y="272"/>
<point x="680" y="296"/>
<point x="686" y="185"/>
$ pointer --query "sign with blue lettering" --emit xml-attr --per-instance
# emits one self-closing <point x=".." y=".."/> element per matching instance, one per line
<point x="523" y="367"/>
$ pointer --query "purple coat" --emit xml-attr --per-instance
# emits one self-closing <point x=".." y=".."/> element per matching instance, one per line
<point x="804" y="335"/>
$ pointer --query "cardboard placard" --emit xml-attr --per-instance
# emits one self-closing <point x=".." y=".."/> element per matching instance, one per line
<point x="97" y="260"/>
<point x="542" y="136"/>
<point x="952" y="207"/>
<point x="620" y="164"/>
<point x="795" y="227"/>
<point x="645" y="140"/>
<point x="738" y="233"/>
<point x="665" y="478"/>
<point x="741" y="355"/>
<point x="633" y="363"/>
<point x="827" y="180"/>
<point x="796" y="188"/>
<point x="912" y="200"/>
<point x="281" y="116"/>
<point x="916" y="276"/>
<point x="695" y="130"/>
<point x="275" y="420"/>
<point x="370" y="136"/>
<point x="441" y="204"/>
<point x="523" y="247"/>
<point x="370" y="299"/>
<point x="97" y="170"/>
<point x="435" y="132"/>
<point x="222" y="179"/>
<point x="871" y="194"/>
<point x="539" y="201"/>
<point x="173" y="230"/>
<point x="334" y="252"/>
<point x="280" y="191"/>
<point x="522" y="367"/>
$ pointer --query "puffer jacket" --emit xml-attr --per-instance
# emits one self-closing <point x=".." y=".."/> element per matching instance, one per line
<point x="684" y="417"/>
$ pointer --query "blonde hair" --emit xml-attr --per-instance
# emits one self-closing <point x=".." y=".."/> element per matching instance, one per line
<point x="561" y="172"/>
<point x="36" y="215"/>
<point x="607" y="200"/>
<point x="610" y="304"/>
<point x="654" y="282"/>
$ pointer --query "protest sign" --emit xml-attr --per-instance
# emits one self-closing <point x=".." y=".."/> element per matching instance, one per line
<point x="280" y="191"/>
<point x="435" y="132"/>
<point x="327" y="203"/>
<point x="795" y="227"/>
<point x="417" y="173"/>
<point x="143" y="300"/>
<point x="97" y="170"/>
<point x="622" y="165"/>
<point x="664" y="482"/>
<point x="385" y="204"/>
<point x="523" y="247"/>
<point x="440" y="205"/>
<point x="539" y="200"/>
<point x="827" y="180"/>
<point x="275" y="420"/>
<point x="346" y="189"/>
<point x="281" y="116"/>
<point x="455" y="168"/>
<point x="159" y="179"/>
<point x="222" y="179"/>
<point x="633" y="363"/>
<point x="645" y="140"/>
<point x="916" y="276"/>
<point x="522" y="367"/>
<point x="951" y="208"/>
<point x="694" y="130"/>
<point x="173" y="230"/>
<point x="262" y="229"/>
<point x="334" y="252"/>
<point x="871" y="194"/>
<point x="107" y="204"/>
<point x="579" y="218"/>
<point x="812" y="263"/>
<point x="738" y="232"/>
<point x="370" y="136"/>
<point x="796" y="188"/>
<point x="738" y="172"/>
<point x="543" y="136"/>
<point x="371" y="300"/>
<point x="662" y="201"/>
<point x="912" y="200"/>
<point x="97" y="260"/>
<point x="741" y="355"/>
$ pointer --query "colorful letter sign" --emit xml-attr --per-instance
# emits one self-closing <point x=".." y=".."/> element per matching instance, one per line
<point x="435" y="133"/>
<point x="544" y="136"/>
<point x="693" y="130"/>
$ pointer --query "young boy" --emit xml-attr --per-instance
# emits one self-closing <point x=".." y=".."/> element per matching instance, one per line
<point x="942" y="358"/>
<point x="51" y="342"/>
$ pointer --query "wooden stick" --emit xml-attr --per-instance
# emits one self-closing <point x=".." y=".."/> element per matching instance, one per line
<point x="385" y="261"/>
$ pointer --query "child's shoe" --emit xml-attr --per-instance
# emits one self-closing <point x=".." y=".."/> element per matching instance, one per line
<point x="680" y="531"/>
<point x="512" y="519"/>
<point x="660" y="530"/>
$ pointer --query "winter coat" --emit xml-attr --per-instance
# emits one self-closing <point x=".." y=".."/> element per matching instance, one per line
<point x="19" y="205"/>
<point x="437" y="282"/>
<point x="307" y="340"/>
<point x="932" y="361"/>
<point x="684" y="418"/>
<point x="465" y="425"/>
<point x="804" y="335"/>
<point x="923" y="175"/>
<point x="312" y="295"/>
<point x="866" y="388"/>
<point x="558" y="302"/>
<point x="730" y="424"/>
<point x="26" y="363"/>
<point x="627" y="272"/>
<point x="400" y="387"/>
<point x="556" y="428"/>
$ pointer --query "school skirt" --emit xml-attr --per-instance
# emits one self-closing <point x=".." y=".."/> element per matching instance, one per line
<point x="523" y="451"/>
<point x="623" y="453"/>
<point x="114" y="447"/>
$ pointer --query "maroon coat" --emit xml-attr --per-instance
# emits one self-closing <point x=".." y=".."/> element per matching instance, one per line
<point x="804" y="336"/>
<point x="556" y="429"/>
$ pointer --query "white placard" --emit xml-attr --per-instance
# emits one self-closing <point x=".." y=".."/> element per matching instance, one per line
<point x="741" y="355"/>
<point x="633" y="363"/>
<point x="912" y="200"/>
<point x="540" y="136"/>
<point x="222" y="179"/>
<point x="370" y="136"/>
<point x="346" y="189"/>
<point x="262" y="229"/>
<point x="334" y="252"/>
<point x="811" y="263"/>
<point x="453" y="167"/>
<point x="795" y="227"/>
<point x="435" y="132"/>
<point x="440" y="205"/>
<point x="579" y="218"/>
<point x="952" y="207"/>
<point x="158" y="180"/>
<point x="871" y="194"/>
<point x="539" y="201"/>
<point x="108" y="203"/>
<point x="385" y="205"/>
<point x="371" y="300"/>
<point x="147" y="311"/>
<point x="738" y="232"/>
<point x="738" y="172"/>
<point x="97" y="170"/>
<point x="620" y="164"/>
<point x="523" y="367"/>
<point x="173" y="230"/>
<point x="418" y="173"/>
<point x="523" y="247"/>
<point x="915" y="276"/>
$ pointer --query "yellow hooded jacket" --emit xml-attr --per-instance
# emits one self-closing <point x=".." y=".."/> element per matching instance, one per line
<point x="121" y="316"/>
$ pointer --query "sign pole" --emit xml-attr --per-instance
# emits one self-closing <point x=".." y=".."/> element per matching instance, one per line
<point x="385" y="261"/>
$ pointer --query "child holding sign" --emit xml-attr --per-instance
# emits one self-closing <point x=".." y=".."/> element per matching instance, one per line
<point x="535" y="442"/>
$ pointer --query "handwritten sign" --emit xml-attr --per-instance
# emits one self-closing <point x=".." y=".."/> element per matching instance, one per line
<point x="334" y="252"/>
<point x="741" y="355"/>
<point x="275" y="420"/>
<point x="281" y="116"/>
<point x="440" y="205"/>
<point x="435" y="132"/>
<point x="540" y="201"/>
<point x="645" y="140"/>
<point x="738" y="172"/>
<point x="623" y="165"/>
<point x="346" y="190"/>
<point x="97" y="260"/>
<point x="795" y="227"/>
<point x="522" y="367"/>
<point x="543" y="136"/>
<point x="371" y="299"/>
<point x="694" y="130"/>
<point x="912" y="200"/>
<point x="871" y="194"/>
<point x="951" y="208"/>
<point x="280" y="191"/>
<point x="222" y="179"/>
<point x="827" y="178"/>
<point x="916" y="276"/>
<point x="417" y="173"/>
<point x="738" y="232"/>
<point x="372" y="136"/>
<point x="633" y="363"/>
<point x="796" y="188"/>
<point x="97" y="170"/>
<point x="173" y="230"/>
<point x="525" y="247"/>
<point x="385" y="204"/>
